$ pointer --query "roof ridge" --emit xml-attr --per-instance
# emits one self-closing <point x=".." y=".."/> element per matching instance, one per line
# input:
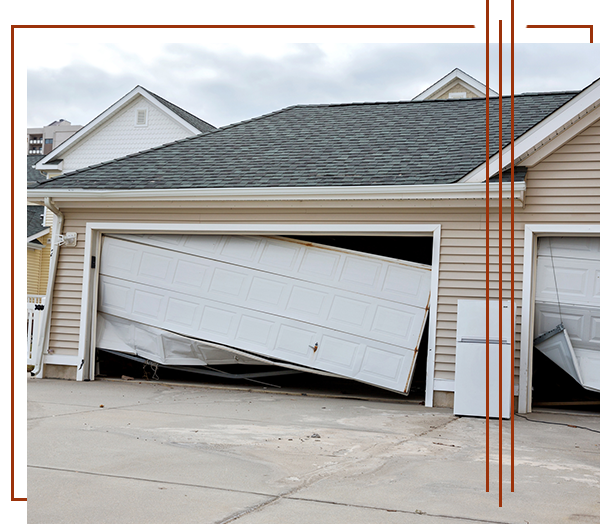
<point x="441" y="100"/>
<point x="168" y="102"/>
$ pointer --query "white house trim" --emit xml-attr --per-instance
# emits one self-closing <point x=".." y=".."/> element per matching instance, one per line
<point x="474" y="193"/>
<point x="60" y="360"/>
<point x="94" y="231"/>
<point x="532" y="233"/>
<point x="474" y="85"/>
<point x="544" y="132"/>
<point x="102" y="117"/>
<point x="38" y="234"/>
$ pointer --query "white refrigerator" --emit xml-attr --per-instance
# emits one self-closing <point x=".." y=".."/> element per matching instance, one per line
<point x="470" y="370"/>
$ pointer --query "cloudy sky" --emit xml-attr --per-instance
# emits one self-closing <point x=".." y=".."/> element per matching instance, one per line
<point x="225" y="82"/>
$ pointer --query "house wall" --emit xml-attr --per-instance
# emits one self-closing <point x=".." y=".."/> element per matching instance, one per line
<point x="564" y="188"/>
<point x="38" y="263"/>
<point x="118" y="136"/>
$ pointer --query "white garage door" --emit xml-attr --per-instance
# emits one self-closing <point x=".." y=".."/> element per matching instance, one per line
<point x="568" y="292"/>
<point x="356" y="315"/>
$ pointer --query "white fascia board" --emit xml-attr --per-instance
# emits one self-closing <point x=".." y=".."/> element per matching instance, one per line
<point x="455" y="74"/>
<point x="38" y="235"/>
<point x="474" y="193"/>
<point x="552" y="126"/>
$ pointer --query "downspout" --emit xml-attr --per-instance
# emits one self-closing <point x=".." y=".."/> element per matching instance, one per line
<point x="44" y="341"/>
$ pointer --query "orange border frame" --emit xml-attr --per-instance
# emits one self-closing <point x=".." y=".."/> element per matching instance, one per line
<point x="21" y="33"/>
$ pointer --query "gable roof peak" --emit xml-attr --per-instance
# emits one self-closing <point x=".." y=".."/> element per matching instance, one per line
<point x="456" y="77"/>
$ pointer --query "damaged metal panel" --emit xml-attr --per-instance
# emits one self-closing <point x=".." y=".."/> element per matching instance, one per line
<point x="343" y="312"/>
<point x="583" y="365"/>
<point x="159" y="345"/>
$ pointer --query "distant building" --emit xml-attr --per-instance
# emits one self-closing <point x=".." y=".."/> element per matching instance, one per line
<point x="42" y="140"/>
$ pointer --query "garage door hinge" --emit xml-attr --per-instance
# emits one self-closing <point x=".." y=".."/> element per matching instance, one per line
<point x="93" y="262"/>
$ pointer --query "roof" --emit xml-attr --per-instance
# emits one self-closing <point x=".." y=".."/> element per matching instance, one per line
<point x="364" y="144"/>
<point x="35" y="219"/>
<point x="199" y="124"/>
<point x="33" y="175"/>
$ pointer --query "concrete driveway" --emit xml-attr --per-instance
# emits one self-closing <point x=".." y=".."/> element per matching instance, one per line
<point x="131" y="452"/>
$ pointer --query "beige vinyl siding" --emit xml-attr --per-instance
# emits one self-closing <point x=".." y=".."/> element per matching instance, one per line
<point x="561" y="189"/>
<point x="33" y="271"/>
<point x="38" y="263"/>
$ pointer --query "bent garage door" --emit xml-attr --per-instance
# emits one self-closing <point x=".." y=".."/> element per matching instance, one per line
<point x="353" y="314"/>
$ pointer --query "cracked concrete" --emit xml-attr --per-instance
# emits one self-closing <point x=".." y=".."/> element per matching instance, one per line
<point x="159" y="453"/>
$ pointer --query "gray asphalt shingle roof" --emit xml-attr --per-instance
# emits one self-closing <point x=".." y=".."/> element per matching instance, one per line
<point x="33" y="175"/>
<point x="35" y="217"/>
<point x="381" y="143"/>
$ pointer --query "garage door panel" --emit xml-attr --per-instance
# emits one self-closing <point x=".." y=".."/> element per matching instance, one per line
<point x="161" y="346"/>
<point x="272" y="294"/>
<point x="396" y="281"/>
<point x="577" y="281"/>
<point x="396" y="324"/>
<point x="570" y="247"/>
<point x="326" y="309"/>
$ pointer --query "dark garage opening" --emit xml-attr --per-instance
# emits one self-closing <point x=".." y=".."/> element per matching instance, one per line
<point x="409" y="248"/>
<point x="554" y="388"/>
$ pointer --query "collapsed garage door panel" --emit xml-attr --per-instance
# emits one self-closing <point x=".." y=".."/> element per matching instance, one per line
<point x="323" y="308"/>
<point x="159" y="345"/>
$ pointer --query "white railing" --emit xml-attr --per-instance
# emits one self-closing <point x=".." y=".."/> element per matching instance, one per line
<point x="35" y="310"/>
<point x="36" y="299"/>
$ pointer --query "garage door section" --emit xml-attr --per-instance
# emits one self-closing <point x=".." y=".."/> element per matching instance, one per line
<point x="568" y="294"/>
<point x="352" y="314"/>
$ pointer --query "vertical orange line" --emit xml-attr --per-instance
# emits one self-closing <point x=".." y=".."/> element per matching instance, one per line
<point x="18" y="491"/>
<point x="500" y="264"/>
<point x="512" y="245"/>
<point x="487" y="246"/>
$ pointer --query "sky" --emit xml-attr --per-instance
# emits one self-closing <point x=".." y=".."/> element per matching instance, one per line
<point x="223" y="83"/>
<point x="226" y="82"/>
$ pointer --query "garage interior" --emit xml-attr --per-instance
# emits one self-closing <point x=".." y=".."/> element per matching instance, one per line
<point x="418" y="249"/>
<point x="567" y="293"/>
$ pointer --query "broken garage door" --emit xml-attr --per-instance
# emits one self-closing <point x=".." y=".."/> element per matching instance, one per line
<point x="352" y="314"/>
<point x="567" y="306"/>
